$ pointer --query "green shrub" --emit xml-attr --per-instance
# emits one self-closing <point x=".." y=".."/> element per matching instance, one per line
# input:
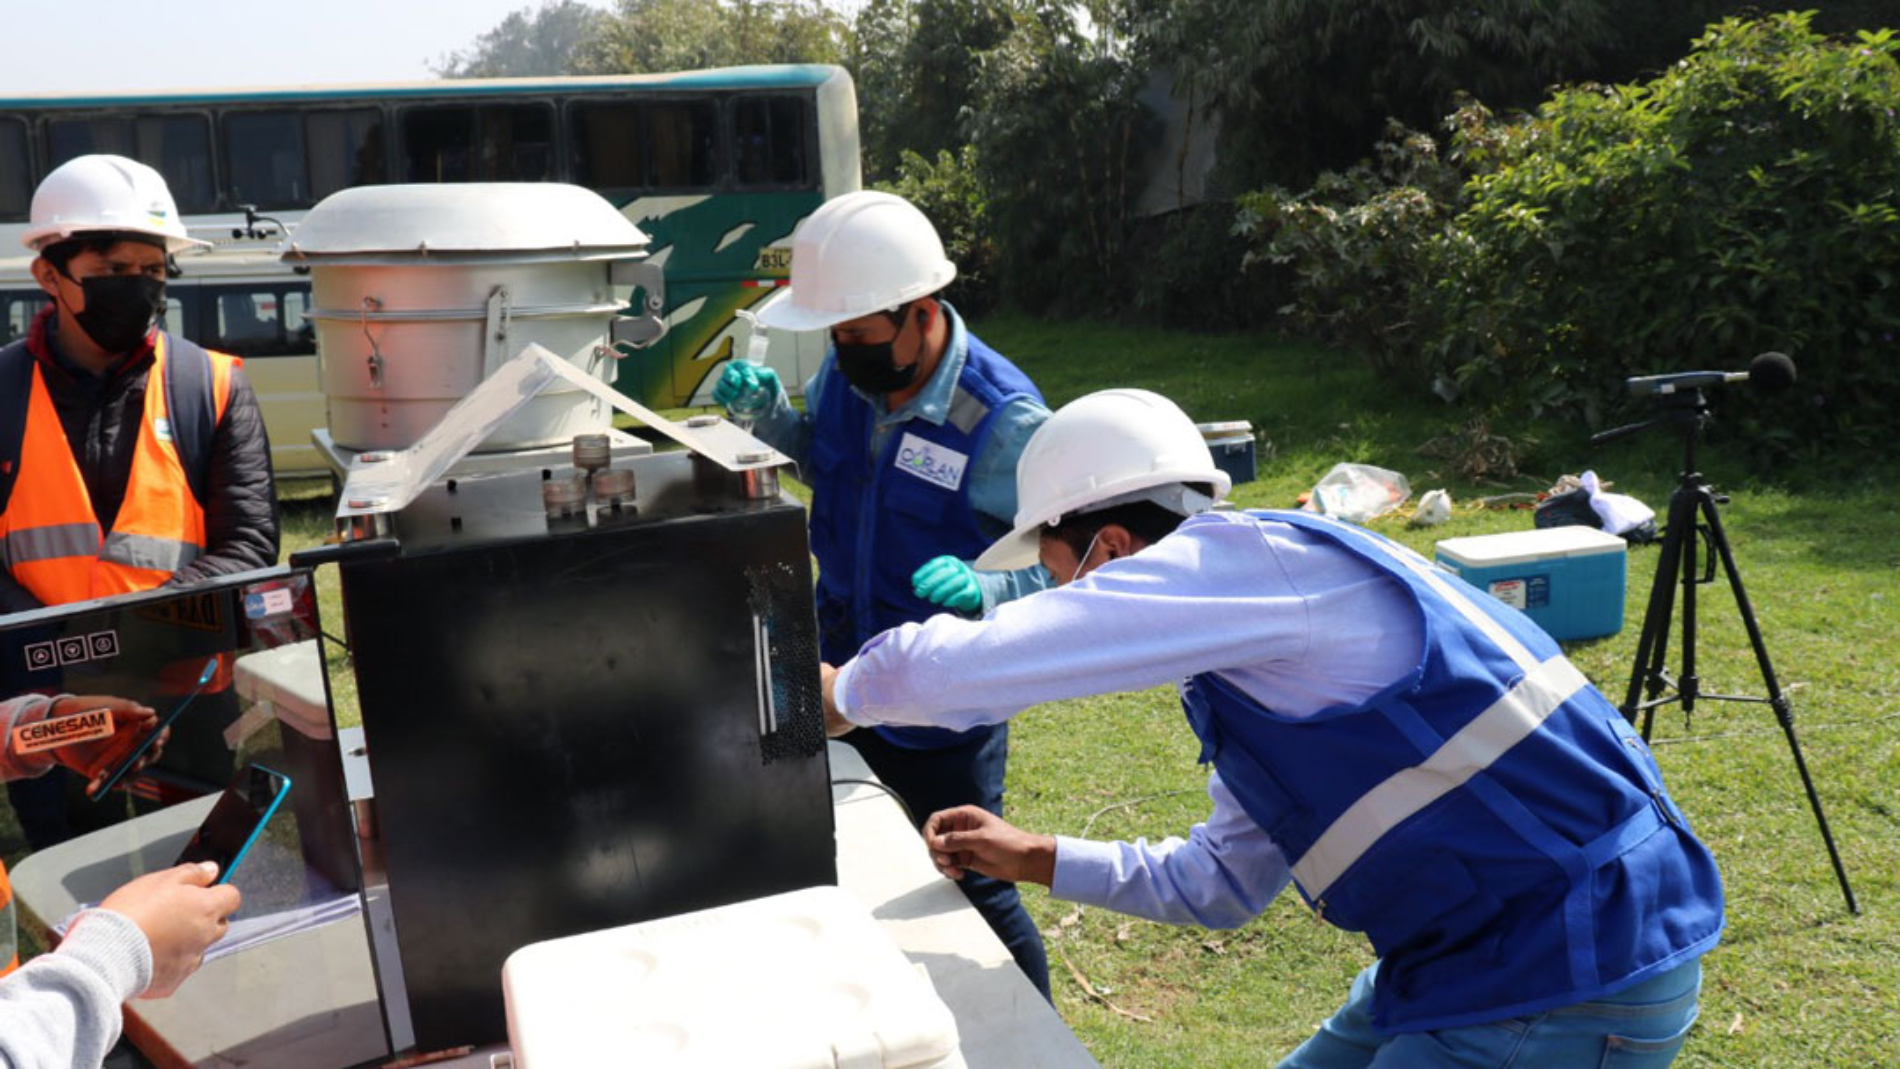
<point x="1358" y="247"/>
<point x="949" y="190"/>
<point x="1747" y="199"/>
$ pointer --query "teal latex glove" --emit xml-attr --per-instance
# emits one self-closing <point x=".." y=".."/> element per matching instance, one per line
<point x="948" y="582"/>
<point x="745" y="389"/>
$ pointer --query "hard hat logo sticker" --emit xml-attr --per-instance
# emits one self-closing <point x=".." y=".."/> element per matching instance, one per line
<point x="931" y="462"/>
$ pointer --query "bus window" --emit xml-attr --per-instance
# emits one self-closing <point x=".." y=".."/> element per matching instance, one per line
<point x="173" y="319"/>
<point x="16" y="177"/>
<point x="297" y="324"/>
<point x="346" y="149"/>
<point x="292" y="159"/>
<point x="517" y="143"/>
<point x="264" y="159"/>
<point x="643" y="146"/>
<point x="680" y="139"/>
<point x="513" y="143"/>
<point x="177" y="146"/>
<point x="769" y="141"/>
<point x="17" y="309"/>
<point x="436" y="142"/>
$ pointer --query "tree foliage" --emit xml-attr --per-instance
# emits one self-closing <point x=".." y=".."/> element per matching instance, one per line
<point x="1059" y="134"/>
<point x="1746" y="199"/>
<point x="916" y="64"/>
<point x="650" y="36"/>
<point x="527" y="43"/>
<point x="1307" y="85"/>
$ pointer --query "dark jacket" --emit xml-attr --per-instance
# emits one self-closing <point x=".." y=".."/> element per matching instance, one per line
<point x="101" y="417"/>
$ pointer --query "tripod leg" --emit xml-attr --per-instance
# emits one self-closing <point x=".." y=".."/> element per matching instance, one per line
<point x="1653" y="646"/>
<point x="1784" y="712"/>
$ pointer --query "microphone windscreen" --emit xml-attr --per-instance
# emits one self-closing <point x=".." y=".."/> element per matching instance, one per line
<point x="1771" y="372"/>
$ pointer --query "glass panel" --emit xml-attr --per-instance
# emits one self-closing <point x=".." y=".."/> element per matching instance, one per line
<point x="173" y="318"/>
<point x="17" y="309"/>
<point x="769" y="141"/>
<point x="177" y="146"/>
<point x="517" y="143"/>
<point x="606" y="146"/>
<point x="16" y="173"/>
<point x="264" y="156"/>
<point x="244" y="321"/>
<point x="437" y="144"/>
<point x="679" y="139"/>
<point x="644" y="146"/>
<point x="80" y="137"/>
<point x="301" y="330"/>
<point x="346" y="149"/>
<point x="226" y="663"/>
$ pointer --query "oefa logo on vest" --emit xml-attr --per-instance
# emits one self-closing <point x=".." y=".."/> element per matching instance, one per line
<point x="931" y="462"/>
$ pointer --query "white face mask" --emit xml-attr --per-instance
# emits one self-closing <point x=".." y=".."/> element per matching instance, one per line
<point x="1082" y="560"/>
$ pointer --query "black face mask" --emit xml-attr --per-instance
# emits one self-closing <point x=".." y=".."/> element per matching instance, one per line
<point x="120" y="309"/>
<point x="873" y="368"/>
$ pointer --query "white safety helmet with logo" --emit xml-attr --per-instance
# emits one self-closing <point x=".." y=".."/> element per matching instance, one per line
<point x="1109" y="448"/>
<point x="860" y="253"/>
<point x="89" y="194"/>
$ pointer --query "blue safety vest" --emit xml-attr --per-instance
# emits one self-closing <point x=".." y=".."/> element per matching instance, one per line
<point x="1489" y="821"/>
<point x="876" y="519"/>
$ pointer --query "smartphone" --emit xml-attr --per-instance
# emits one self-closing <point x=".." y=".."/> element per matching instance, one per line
<point x="118" y="772"/>
<point x="234" y="823"/>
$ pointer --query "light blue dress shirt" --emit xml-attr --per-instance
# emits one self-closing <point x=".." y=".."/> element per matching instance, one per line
<point x="1297" y="622"/>
<point x="992" y="472"/>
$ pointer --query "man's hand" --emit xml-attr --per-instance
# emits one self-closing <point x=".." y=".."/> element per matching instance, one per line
<point x="976" y="840"/>
<point x="131" y="722"/>
<point x="835" y="724"/>
<point x="949" y="582"/>
<point x="181" y="915"/>
<point x="745" y="389"/>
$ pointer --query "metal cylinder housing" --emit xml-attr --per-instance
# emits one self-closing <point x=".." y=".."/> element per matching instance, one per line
<point x="420" y="291"/>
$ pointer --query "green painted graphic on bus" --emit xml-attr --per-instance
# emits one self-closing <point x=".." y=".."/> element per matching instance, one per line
<point x="711" y="247"/>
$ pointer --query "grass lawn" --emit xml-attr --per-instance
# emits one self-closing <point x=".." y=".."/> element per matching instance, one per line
<point x="1797" y="980"/>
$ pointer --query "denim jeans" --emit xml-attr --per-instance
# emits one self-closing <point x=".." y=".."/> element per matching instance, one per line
<point x="1639" y="1028"/>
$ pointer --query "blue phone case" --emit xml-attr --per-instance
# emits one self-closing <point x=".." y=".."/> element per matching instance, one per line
<point x="257" y="829"/>
<point x="204" y="679"/>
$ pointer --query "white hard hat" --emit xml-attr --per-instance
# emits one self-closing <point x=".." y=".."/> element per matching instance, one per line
<point x="95" y="193"/>
<point x="860" y="253"/>
<point x="1105" y="449"/>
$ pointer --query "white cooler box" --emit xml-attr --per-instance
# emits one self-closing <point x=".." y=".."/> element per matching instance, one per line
<point x="804" y="980"/>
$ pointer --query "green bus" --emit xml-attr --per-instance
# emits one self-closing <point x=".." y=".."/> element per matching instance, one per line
<point x="717" y="166"/>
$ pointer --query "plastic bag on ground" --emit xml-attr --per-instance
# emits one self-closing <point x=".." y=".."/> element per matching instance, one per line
<point x="1621" y="514"/>
<point x="1357" y="493"/>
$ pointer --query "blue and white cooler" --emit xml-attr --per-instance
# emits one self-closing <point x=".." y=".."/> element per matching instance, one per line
<point x="1569" y="580"/>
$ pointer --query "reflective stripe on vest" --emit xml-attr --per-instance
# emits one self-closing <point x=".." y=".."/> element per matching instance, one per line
<point x="1509" y="720"/>
<point x="1488" y="820"/>
<point x="52" y="542"/>
<point x="9" y="933"/>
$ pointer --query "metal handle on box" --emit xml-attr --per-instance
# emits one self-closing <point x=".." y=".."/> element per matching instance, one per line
<point x="762" y="666"/>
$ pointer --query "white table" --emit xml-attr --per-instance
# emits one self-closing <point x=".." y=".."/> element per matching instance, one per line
<point x="309" y="1000"/>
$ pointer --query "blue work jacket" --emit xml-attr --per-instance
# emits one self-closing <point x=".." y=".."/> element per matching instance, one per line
<point x="1490" y="821"/>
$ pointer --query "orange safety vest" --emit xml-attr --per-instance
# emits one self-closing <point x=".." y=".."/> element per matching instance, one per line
<point x="9" y="942"/>
<point x="50" y="538"/>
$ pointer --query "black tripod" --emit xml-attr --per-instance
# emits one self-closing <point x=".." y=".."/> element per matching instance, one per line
<point x="1693" y="519"/>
